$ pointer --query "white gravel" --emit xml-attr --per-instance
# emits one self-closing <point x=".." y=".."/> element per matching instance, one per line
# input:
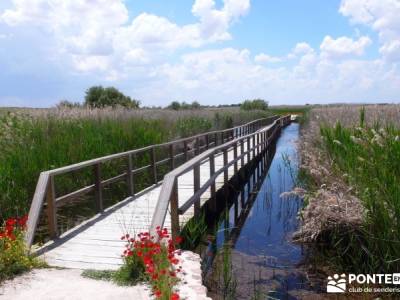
<point x="68" y="284"/>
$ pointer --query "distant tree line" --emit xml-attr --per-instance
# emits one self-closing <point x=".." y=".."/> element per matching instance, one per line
<point x="101" y="97"/>
<point x="175" y="105"/>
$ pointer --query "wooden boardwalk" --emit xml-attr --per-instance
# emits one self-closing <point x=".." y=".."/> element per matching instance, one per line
<point x="96" y="243"/>
<point x="99" y="246"/>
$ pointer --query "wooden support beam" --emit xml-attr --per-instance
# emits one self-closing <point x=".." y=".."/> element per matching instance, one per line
<point x="185" y="146"/>
<point x="235" y="155"/>
<point x="242" y="152"/>
<point x="51" y="209"/>
<point x="174" y="203"/>
<point x="153" y="164"/>
<point x="171" y="157"/>
<point x="254" y="146"/>
<point x="98" y="192"/>
<point x="196" y="187"/>
<point x="212" y="186"/>
<point x="197" y="147"/>
<point x="248" y="149"/>
<point x="226" y="177"/>
<point x="129" y="177"/>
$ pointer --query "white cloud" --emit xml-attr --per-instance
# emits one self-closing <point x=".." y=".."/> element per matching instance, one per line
<point x="98" y="39"/>
<point x="382" y="16"/>
<point x="391" y="50"/>
<point x="300" y="49"/>
<point x="231" y="75"/>
<point x="265" y="58"/>
<point x="99" y="27"/>
<point x="344" y="46"/>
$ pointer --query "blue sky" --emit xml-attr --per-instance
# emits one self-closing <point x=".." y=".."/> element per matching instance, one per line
<point x="215" y="52"/>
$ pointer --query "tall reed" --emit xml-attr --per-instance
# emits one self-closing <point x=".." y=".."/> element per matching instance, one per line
<point x="34" y="140"/>
<point x="369" y="155"/>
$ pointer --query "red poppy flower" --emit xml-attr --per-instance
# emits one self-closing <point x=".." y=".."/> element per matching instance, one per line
<point x="174" y="296"/>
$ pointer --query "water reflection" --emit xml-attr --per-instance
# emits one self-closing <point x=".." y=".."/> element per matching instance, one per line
<point x="257" y="221"/>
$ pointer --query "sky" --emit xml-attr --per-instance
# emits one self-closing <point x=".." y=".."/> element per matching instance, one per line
<point x="210" y="51"/>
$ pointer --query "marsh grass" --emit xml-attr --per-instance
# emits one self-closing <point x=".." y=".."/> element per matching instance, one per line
<point x="369" y="155"/>
<point x="35" y="140"/>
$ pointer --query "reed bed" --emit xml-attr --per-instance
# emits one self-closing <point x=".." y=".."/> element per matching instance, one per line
<point x="356" y="193"/>
<point x="34" y="140"/>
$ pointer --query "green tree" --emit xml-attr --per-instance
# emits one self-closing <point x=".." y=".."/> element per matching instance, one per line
<point x="67" y="104"/>
<point x="195" y="105"/>
<point x="99" y="97"/>
<point x="255" y="104"/>
<point x="175" y="105"/>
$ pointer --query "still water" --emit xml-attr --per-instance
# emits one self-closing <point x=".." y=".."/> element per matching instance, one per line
<point x="251" y="254"/>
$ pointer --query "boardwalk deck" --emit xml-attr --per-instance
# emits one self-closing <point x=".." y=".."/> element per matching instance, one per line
<point x="97" y="244"/>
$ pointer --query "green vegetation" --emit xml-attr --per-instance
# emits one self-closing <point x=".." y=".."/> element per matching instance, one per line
<point x="13" y="253"/>
<point x="256" y="104"/>
<point x="193" y="232"/>
<point x="37" y="140"/>
<point x="98" y="96"/>
<point x="106" y="275"/>
<point x="370" y="158"/>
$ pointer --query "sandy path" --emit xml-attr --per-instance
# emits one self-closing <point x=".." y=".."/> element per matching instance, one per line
<point x="53" y="284"/>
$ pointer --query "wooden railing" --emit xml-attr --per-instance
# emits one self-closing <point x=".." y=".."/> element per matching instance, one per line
<point x="182" y="149"/>
<point x="256" y="143"/>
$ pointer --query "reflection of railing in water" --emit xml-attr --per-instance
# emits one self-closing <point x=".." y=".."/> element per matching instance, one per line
<point x="244" y="186"/>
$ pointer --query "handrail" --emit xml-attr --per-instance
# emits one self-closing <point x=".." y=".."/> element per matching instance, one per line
<point x="169" y="190"/>
<point x="45" y="187"/>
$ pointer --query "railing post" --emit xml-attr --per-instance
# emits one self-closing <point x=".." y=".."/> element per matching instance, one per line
<point x="98" y="187"/>
<point x="248" y="149"/>
<point x="185" y="146"/>
<point x="153" y="164"/>
<point x="207" y="141"/>
<point x="254" y="145"/>
<point x="129" y="176"/>
<point x="197" y="151"/>
<point x="258" y="144"/>
<point x="171" y="156"/>
<point x="235" y="154"/>
<point x="196" y="186"/>
<point x="212" y="187"/>
<point x="174" y="202"/>
<point x="51" y="208"/>
<point x="226" y="174"/>
<point x="242" y="152"/>
<point x="215" y="139"/>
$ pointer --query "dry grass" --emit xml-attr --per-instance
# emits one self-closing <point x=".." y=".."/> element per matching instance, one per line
<point x="352" y="160"/>
<point x="331" y="203"/>
<point x="348" y="115"/>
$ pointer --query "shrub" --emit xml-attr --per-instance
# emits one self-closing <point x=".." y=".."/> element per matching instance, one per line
<point x="256" y="104"/>
<point x="98" y="96"/>
<point x="13" y="253"/>
<point x="157" y="258"/>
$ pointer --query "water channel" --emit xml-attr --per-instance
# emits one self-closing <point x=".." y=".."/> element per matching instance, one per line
<point x="250" y="253"/>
